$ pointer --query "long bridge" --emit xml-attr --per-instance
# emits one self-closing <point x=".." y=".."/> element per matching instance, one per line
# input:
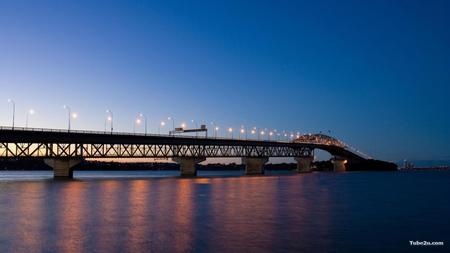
<point x="63" y="149"/>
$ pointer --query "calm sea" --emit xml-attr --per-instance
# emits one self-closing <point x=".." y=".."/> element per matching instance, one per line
<point x="141" y="211"/>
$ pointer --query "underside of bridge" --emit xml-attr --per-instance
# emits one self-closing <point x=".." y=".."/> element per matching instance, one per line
<point x="188" y="165"/>
<point x="62" y="167"/>
<point x="304" y="163"/>
<point x="254" y="165"/>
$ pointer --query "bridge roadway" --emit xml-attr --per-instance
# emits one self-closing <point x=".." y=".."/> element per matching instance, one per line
<point x="62" y="149"/>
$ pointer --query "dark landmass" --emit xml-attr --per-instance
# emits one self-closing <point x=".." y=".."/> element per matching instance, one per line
<point x="38" y="164"/>
<point x="427" y="168"/>
<point x="367" y="165"/>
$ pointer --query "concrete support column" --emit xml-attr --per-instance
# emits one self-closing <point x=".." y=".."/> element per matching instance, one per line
<point x="62" y="167"/>
<point x="187" y="165"/>
<point x="339" y="164"/>
<point x="304" y="163"/>
<point x="254" y="165"/>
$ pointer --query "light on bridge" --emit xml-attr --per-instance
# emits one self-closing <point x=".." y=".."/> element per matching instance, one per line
<point x="29" y="112"/>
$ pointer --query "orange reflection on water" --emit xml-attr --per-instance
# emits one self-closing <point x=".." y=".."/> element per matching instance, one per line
<point x="29" y="224"/>
<point x="139" y="221"/>
<point x="168" y="215"/>
<point x="107" y="211"/>
<point x="71" y="218"/>
<point x="183" y="219"/>
<point x="242" y="203"/>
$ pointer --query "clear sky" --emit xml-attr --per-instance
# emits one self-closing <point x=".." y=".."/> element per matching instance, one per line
<point x="374" y="73"/>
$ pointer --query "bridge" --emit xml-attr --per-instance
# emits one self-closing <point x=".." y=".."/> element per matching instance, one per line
<point x="63" y="149"/>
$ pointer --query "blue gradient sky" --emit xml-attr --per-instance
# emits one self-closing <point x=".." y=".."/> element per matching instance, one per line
<point x="375" y="73"/>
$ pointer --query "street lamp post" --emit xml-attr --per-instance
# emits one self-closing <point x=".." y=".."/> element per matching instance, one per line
<point x="110" y="118"/>
<point x="13" y="111"/>
<point x="161" y="124"/>
<point x="173" y="124"/>
<point x="29" y="112"/>
<point x="141" y="115"/>
<point x="196" y="126"/>
<point x="253" y="132"/>
<point x="69" y="114"/>
<point x="230" y="130"/>
<point x="242" y="131"/>
<point x="136" y="122"/>
<point x="216" y="129"/>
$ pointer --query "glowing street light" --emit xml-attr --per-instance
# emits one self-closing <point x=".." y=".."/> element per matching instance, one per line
<point x="138" y="121"/>
<point x="161" y="124"/>
<point x="110" y="118"/>
<point x="183" y="125"/>
<point x="242" y="131"/>
<point x="29" y="112"/>
<point x="230" y="130"/>
<point x="142" y="116"/>
<point x="253" y="131"/>
<point x="261" y="134"/>
<point x="270" y="134"/>
<point x="216" y="129"/>
<point x="13" y="111"/>
<point x="69" y="115"/>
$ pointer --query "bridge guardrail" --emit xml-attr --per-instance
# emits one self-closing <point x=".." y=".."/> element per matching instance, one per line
<point x="32" y="129"/>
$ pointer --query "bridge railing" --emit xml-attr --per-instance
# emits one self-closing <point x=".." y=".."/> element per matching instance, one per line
<point x="330" y="141"/>
<point x="321" y="140"/>
<point x="55" y="130"/>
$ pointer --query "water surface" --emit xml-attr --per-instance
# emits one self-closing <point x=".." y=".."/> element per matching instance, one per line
<point x="136" y="212"/>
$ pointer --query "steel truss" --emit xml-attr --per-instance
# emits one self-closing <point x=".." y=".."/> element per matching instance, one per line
<point x="52" y="150"/>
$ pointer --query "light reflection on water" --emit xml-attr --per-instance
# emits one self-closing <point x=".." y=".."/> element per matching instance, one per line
<point x="317" y="212"/>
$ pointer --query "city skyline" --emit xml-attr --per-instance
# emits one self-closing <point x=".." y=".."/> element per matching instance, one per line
<point x="381" y="91"/>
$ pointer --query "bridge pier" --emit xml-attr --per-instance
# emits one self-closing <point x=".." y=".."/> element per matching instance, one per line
<point x="187" y="165"/>
<point x="304" y="163"/>
<point x="254" y="165"/>
<point x="339" y="164"/>
<point x="62" y="167"/>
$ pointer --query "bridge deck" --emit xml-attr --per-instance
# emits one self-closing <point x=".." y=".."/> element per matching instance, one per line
<point x="21" y="142"/>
